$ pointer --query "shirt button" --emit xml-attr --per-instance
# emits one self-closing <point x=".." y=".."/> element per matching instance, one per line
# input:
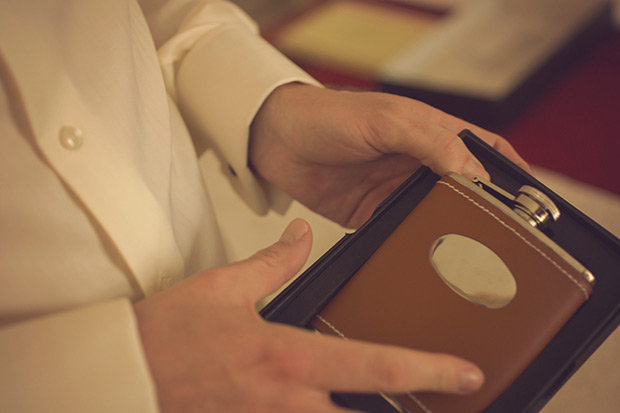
<point x="71" y="138"/>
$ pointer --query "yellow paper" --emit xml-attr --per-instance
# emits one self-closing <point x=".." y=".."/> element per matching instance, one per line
<point x="353" y="36"/>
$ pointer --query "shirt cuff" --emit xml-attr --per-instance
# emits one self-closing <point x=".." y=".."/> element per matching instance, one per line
<point x="84" y="360"/>
<point x="221" y="84"/>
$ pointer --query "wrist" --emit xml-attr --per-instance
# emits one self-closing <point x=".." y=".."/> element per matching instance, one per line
<point x="277" y="114"/>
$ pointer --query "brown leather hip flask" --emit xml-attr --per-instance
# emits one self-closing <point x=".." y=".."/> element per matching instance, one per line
<point x="467" y="275"/>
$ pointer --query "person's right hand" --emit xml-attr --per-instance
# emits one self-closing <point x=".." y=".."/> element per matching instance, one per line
<point x="210" y="351"/>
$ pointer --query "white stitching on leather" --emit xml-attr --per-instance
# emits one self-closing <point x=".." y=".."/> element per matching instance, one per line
<point x="331" y="326"/>
<point x="419" y="403"/>
<point x="341" y="335"/>
<point x="514" y="231"/>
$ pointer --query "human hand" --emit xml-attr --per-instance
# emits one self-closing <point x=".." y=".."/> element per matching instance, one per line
<point x="341" y="153"/>
<point x="209" y="350"/>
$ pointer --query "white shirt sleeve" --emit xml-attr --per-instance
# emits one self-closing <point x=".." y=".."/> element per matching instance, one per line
<point x="220" y="71"/>
<point x="48" y="363"/>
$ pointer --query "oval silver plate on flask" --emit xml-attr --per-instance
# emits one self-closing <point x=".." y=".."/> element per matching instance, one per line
<point x="473" y="271"/>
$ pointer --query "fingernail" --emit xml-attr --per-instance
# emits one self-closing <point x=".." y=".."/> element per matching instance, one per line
<point x="473" y="168"/>
<point x="294" y="232"/>
<point x="470" y="380"/>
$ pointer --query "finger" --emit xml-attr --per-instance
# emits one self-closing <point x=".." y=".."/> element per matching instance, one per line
<point x="423" y="132"/>
<point x="443" y="151"/>
<point x="267" y="270"/>
<point x="456" y="125"/>
<point x="353" y="366"/>
<point x="505" y="148"/>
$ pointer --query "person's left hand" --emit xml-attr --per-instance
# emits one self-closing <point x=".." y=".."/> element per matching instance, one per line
<point x="341" y="153"/>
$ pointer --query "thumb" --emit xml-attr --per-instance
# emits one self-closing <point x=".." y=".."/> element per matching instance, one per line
<point x="270" y="268"/>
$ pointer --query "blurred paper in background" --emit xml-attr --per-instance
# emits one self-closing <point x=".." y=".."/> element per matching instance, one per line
<point x="476" y="59"/>
<point x="356" y="37"/>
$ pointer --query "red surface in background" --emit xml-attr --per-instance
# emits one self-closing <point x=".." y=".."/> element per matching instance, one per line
<point x="574" y="127"/>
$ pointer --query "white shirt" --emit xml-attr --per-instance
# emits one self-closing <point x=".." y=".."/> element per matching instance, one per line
<point x="101" y="198"/>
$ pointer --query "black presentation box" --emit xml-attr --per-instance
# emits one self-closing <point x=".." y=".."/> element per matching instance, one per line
<point x="592" y="245"/>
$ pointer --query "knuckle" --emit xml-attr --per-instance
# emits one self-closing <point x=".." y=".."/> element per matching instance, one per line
<point x="451" y="145"/>
<point x="212" y="281"/>
<point x="386" y="115"/>
<point x="445" y="375"/>
<point x="394" y="113"/>
<point x="453" y="152"/>
<point x="270" y="258"/>
<point x="285" y="364"/>
<point x="388" y="372"/>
